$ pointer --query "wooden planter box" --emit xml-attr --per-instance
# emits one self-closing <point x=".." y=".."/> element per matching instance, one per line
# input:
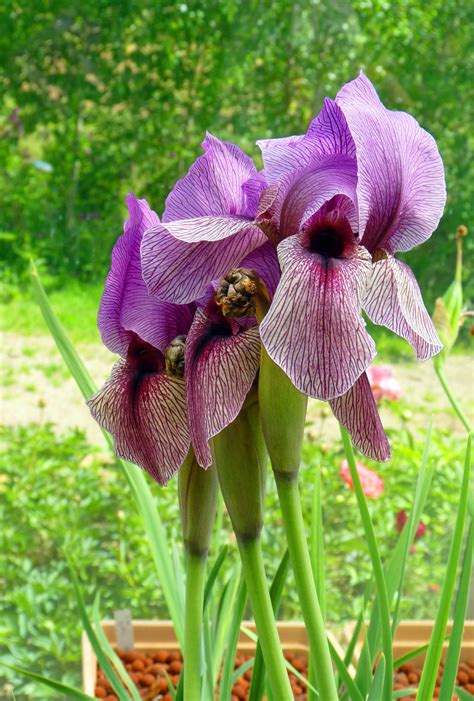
<point x="151" y="636"/>
<point x="413" y="634"/>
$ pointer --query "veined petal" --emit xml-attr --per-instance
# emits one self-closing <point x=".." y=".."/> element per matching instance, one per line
<point x="314" y="329"/>
<point x="180" y="272"/>
<point x="401" y="189"/>
<point x="213" y="184"/>
<point x="393" y="299"/>
<point x="146" y="415"/>
<point x="126" y="306"/>
<point x="357" y="411"/>
<point x="335" y="176"/>
<point x="221" y="364"/>
<point x="264" y="261"/>
<point x="328" y="135"/>
<point x="207" y="228"/>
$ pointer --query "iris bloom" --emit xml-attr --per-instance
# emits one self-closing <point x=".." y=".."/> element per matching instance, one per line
<point x="338" y="202"/>
<point x="152" y="411"/>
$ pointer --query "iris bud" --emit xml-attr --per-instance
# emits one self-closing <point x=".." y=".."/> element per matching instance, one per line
<point x="240" y="459"/>
<point x="197" y="490"/>
<point x="448" y="313"/>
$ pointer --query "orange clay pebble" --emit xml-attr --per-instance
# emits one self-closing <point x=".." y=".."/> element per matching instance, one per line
<point x="239" y="691"/>
<point x="167" y="697"/>
<point x="469" y="688"/>
<point x="111" y="697"/>
<point x="148" y="679"/>
<point x="172" y="656"/>
<point x="100" y="692"/>
<point x="299" y="664"/>
<point x="463" y="677"/>
<point x="163" y="685"/>
<point x="161" y="656"/>
<point x="413" y="677"/>
<point x="175" y="667"/>
<point x="138" y="665"/>
<point x="436" y="692"/>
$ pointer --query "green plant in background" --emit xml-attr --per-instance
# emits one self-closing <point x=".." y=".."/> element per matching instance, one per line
<point x="393" y="575"/>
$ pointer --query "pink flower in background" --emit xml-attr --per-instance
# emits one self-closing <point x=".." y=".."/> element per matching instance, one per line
<point x="401" y="518"/>
<point x="383" y="383"/>
<point x="372" y="483"/>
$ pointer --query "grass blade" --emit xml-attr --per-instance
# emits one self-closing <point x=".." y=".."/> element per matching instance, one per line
<point x="433" y="655"/>
<point x="110" y="652"/>
<point x="213" y="573"/>
<point x="136" y="479"/>
<point x="317" y="541"/>
<point x="171" y="689"/>
<point x="257" y="687"/>
<point x="376" y="690"/>
<point x="378" y="572"/>
<point x="395" y="571"/>
<point x="102" y="658"/>
<point x="455" y="642"/>
<point x="225" y="690"/>
<point x="68" y="691"/>
<point x="463" y="695"/>
<point x="242" y="669"/>
<point x="354" y="693"/>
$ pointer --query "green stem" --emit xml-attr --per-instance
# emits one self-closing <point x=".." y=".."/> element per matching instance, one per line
<point x="195" y="580"/>
<point x="452" y="399"/>
<point x="257" y="589"/>
<point x="377" y="567"/>
<point x="290" y="504"/>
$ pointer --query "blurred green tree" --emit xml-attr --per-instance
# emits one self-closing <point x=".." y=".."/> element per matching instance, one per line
<point x="104" y="97"/>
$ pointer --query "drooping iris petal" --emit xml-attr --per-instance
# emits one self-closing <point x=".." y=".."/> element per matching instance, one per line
<point x="213" y="185"/>
<point x="126" y="306"/>
<point x="314" y="330"/>
<point x="401" y="188"/>
<point x="372" y="484"/>
<point x="180" y="272"/>
<point x="221" y="364"/>
<point x="146" y="415"/>
<point x="393" y="299"/>
<point x="357" y="411"/>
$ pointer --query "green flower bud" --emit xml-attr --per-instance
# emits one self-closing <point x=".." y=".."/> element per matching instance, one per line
<point x="283" y="414"/>
<point x="448" y="313"/>
<point x="197" y="490"/>
<point x="240" y="459"/>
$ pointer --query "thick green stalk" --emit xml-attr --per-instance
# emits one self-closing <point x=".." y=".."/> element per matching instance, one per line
<point x="290" y="503"/>
<point x="195" y="581"/>
<point x="257" y="588"/>
<point x="452" y="399"/>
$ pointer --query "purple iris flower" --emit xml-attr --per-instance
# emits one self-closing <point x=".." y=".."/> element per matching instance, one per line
<point x="153" y="413"/>
<point x="338" y="202"/>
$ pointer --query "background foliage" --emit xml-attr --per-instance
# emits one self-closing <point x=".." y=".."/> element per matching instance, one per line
<point x="104" y="97"/>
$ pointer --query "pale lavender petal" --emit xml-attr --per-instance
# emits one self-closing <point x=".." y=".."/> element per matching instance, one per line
<point x="264" y="261"/>
<point x="146" y="415"/>
<point x="401" y="188"/>
<point x="314" y="329"/>
<point x="357" y="412"/>
<point x="126" y="306"/>
<point x="213" y="184"/>
<point x="180" y="272"/>
<point x="335" y="176"/>
<point x="221" y="364"/>
<point x="393" y="299"/>
<point x="327" y="135"/>
<point x="207" y="228"/>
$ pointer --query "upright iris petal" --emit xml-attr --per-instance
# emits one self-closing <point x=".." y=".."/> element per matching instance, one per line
<point x="140" y="405"/>
<point x="401" y="196"/>
<point x="208" y="225"/>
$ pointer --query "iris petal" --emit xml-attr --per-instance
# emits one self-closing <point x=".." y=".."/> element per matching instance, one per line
<point x="393" y="299"/>
<point x="221" y="364"/>
<point x="401" y="188"/>
<point x="146" y="415"/>
<point x="357" y="412"/>
<point x="314" y="329"/>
